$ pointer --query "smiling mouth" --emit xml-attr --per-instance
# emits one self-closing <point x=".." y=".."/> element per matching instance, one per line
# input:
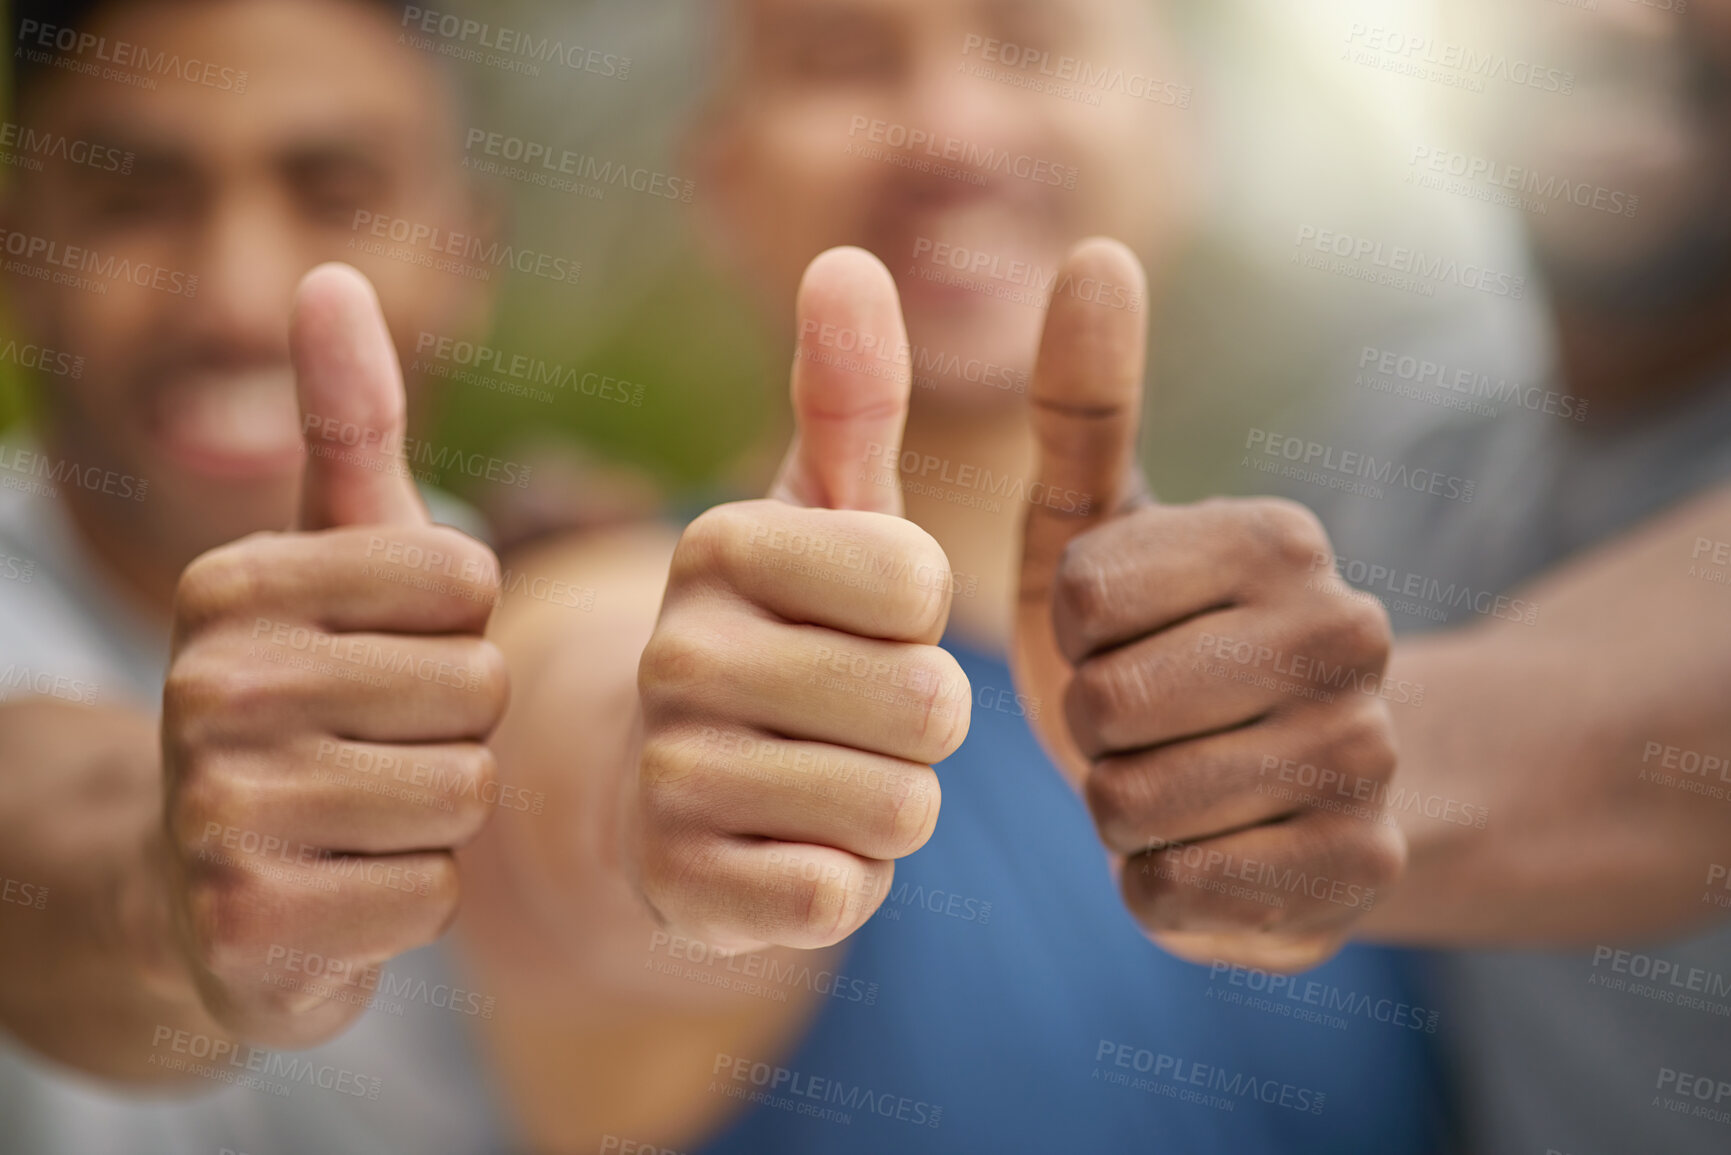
<point x="231" y="426"/>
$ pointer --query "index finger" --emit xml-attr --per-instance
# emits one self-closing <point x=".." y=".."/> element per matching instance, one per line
<point x="872" y="575"/>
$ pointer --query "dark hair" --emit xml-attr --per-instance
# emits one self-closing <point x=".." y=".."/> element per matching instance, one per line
<point x="76" y="15"/>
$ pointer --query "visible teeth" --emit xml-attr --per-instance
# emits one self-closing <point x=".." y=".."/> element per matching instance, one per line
<point x="252" y="413"/>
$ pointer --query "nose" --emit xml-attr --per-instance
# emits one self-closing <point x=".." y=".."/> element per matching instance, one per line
<point x="248" y="267"/>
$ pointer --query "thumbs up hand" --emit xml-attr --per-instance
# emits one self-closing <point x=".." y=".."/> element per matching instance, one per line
<point x="325" y="708"/>
<point x="1220" y="686"/>
<point x="793" y="693"/>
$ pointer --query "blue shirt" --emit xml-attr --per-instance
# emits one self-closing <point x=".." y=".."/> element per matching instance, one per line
<point x="1003" y="1000"/>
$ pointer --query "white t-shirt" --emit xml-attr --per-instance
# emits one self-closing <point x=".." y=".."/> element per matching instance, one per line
<point x="406" y="1077"/>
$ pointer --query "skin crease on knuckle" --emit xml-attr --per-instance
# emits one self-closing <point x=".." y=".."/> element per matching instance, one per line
<point x="947" y="710"/>
<point x="218" y="584"/>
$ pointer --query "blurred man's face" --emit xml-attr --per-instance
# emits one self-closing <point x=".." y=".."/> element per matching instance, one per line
<point x="245" y="192"/>
<point x="1650" y="118"/>
<point x="869" y="122"/>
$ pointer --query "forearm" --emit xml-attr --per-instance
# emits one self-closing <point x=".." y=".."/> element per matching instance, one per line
<point x="1548" y="734"/>
<point x="550" y="883"/>
<point x="89" y="973"/>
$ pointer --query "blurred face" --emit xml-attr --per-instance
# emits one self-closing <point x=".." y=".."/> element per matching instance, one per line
<point x="968" y="143"/>
<point x="244" y="191"/>
<point x="1650" y="119"/>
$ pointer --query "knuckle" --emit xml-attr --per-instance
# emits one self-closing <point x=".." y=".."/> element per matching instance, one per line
<point x="1107" y="692"/>
<point x="943" y="701"/>
<point x="667" y="778"/>
<point x="675" y="870"/>
<point x="678" y="661"/>
<point x="443" y="897"/>
<point x="716" y="542"/>
<point x="205" y="795"/>
<point x="220" y="583"/>
<point x="224" y="906"/>
<point x="1081" y="589"/>
<point x="828" y="907"/>
<point x="490" y="675"/>
<point x="1362" y="632"/>
<point x="1385" y="855"/>
<point x="478" y="770"/>
<point x="205" y="697"/>
<point x="1366" y="746"/>
<point x="914" y="813"/>
<point x="474" y="561"/>
<point x="1291" y="533"/>
<point x="919" y="605"/>
<point x="1121" y="796"/>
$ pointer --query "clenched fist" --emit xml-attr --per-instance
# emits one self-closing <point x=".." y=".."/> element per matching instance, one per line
<point x="1197" y="654"/>
<point x="793" y="693"/>
<point x="326" y="706"/>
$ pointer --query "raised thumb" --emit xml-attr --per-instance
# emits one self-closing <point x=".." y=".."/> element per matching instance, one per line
<point x="354" y="414"/>
<point x="1086" y="406"/>
<point x="851" y="379"/>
